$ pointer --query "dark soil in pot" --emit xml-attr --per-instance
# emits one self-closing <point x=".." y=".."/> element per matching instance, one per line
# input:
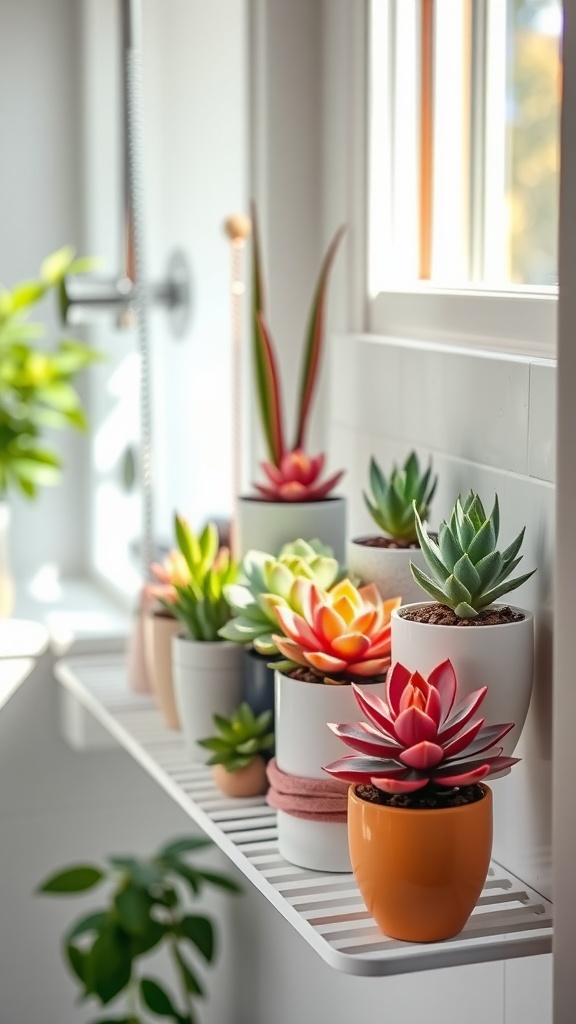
<point x="386" y="542"/>
<point x="428" y="798"/>
<point x="440" y="615"/>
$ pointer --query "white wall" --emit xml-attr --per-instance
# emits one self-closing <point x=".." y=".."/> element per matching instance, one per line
<point x="489" y="424"/>
<point x="40" y="185"/>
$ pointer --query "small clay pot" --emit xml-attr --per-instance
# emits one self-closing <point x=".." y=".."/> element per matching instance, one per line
<point x="248" y="781"/>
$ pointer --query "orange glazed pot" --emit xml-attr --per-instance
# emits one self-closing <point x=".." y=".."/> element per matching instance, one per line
<point x="420" y="872"/>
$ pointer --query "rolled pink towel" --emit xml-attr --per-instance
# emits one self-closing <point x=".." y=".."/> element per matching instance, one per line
<point x="313" y="799"/>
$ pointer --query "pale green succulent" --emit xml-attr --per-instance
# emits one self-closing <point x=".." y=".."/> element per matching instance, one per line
<point x="269" y="582"/>
<point x="467" y="572"/>
<point x="392" y="501"/>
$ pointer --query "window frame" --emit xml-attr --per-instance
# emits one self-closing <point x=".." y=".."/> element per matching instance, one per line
<point x="518" y="320"/>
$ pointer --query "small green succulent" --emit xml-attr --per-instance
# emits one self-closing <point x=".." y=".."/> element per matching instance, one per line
<point x="467" y="572"/>
<point x="239" y="739"/>
<point x="391" y="503"/>
<point x="268" y="583"/>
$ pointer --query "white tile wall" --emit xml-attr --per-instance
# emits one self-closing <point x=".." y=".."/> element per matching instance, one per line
<point x="488" y="421"/>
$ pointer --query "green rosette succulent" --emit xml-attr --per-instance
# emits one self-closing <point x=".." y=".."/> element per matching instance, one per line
<point x="239" y="739"/>
<point x="467" y="572"/>
<point x="392" y="501"/>
<point x="269" y="583"/>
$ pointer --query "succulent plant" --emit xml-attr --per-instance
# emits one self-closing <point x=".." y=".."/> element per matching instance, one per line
<point x="420" y="736"/>
<point x="338" y="634"/>
<point x="239" y="739"/>
<point x="269" y="583"/>
<point x="199" y="574"/>
<point x="292" y="474"/>
<point x="392" y="501"/>
<point x="467" y="572"/>
<point x="172" y="572"/>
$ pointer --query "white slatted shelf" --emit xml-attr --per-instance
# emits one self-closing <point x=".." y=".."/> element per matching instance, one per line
<point x="509" y="921"/>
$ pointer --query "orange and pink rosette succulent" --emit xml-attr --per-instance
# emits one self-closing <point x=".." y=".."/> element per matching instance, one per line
<point x="339" y="635"/>
<point x="171" y="573"/>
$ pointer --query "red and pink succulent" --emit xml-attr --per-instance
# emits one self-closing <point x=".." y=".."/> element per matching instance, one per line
<point x="292" y="475"/>
<point x="420" y="735"/>
<point x="342" y="633"/>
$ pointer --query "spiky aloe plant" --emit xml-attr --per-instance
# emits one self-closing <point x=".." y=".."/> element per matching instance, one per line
<point x="199" y="601"/>
<point x="392" y="501"/>
<point x="269" y="582"/>
<point x="240" y="738"/>
<point x="292" y="474"/>
<point x="467" y="572"/>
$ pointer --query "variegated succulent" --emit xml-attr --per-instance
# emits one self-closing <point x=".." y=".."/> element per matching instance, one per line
<point x="269" y="583"/>
<point x="391" y="503"/>
<point x="337" y="635"/>
<point x="467" y="571"/>
<point x="420" y="735"/>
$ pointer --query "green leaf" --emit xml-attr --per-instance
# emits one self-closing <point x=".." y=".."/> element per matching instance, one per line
<point x="76" y="879"/>
<point x="504" y="588"/>
<point x="377" y="481"/>
<point x="427" y="584"/>
<point x="449" y="548"/>
<point x="187" y="542"/>
<point x="133" y="907"/>
<point x="157" y="999"/>
<point x="189" y="979"/>
<point x="60" y="395"/>
<point x="456" y="592"/>
<point x="91" y="923"/>
<point x="77" y="960"/>
<point x="155" y="932"/>
<point x="467" y="575"/>
<point x="314" y="341"/>
<point x="483" y="543"/>
<point x="143" y="873"/>
<point x="199" y="930"/>
<point x="27" y="293"/>
<point x="512" y="550"/>
<point x="56" y="265"/>
<point x="109" y="964"/>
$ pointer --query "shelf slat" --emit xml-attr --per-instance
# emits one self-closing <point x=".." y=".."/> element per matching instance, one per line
<point x="510" y="920"/>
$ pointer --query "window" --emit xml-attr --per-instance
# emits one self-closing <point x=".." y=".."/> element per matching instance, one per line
<point x="464" y="100"/>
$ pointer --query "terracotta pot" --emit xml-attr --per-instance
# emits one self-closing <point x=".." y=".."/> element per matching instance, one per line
<point x="159" y="629"/>
<point x="499" y="657"/>
<point x="207" y="681"/>
<point x="248" y="781"/>
<point x="420" y="872"/>
<point x="388" y="568"/>
<point x="268" y="525"/>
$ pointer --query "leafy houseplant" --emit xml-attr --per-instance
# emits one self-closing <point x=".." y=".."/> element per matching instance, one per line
<point x="384" y="558"/>
<point x="465" y="574"/>
<point x="206" y="669"/>
<point x="36" y="393"/>
<point x="416" y="806"/>
<point x="237" y="751"/>
<point x="145" y="910"/>
<point x="292" y="475"/>
<point x="333" y="638"/>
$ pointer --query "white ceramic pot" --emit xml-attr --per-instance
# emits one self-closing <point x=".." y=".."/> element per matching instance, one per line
<point x="207" y="681"/>
<point x="304" y="744"/>
<point x="388" y="568"/>
<point x="268" y="525"/>
<point x="6" y="580"/>
<point x="316" y="845"/>
<point x="499" y="657"/>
